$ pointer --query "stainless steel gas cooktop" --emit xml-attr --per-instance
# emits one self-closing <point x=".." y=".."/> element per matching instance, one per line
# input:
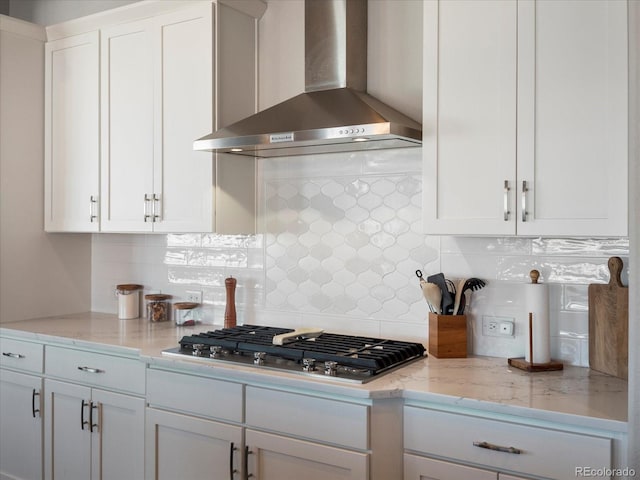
<point x="310" y="352"/>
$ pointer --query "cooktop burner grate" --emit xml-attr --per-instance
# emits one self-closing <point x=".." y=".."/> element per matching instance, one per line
<point x="375" y="355"/>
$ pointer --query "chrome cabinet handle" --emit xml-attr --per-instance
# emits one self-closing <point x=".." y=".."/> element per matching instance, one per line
<point x="247" y="452"/>
<point x="232" y="470"/>
<point x="147" y="198"/>
<point x="91" y="370"/>
<point x="525" y="189"/>
<point x="506" y="201"/>
<point x="35" y="410"/>
<point x="156" y="203"/>
<point x="13" y="355"/>
<point x="82" y="420"/>
<point x="497" y="448"/>
<point x="93" y="204"/>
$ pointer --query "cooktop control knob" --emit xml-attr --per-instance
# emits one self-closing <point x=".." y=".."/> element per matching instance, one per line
<point x="331" y="368"/>
<point x="198" y="349"/>
<point x="309" y="365"/>
<point x="258" y="358"/>
<point x="215" y="351"/>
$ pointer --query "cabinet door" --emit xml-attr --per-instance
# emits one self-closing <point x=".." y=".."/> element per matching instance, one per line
<point x="72" y="149"/>
<point x="183" y="178"/>
<point x="469" y="117"/>
<point x="67" y="436"/>
<point x="273" y="457"/>
<point x="118" y="439"/>
<point x="20" y="426"/>
<point x="181" y="446"/>
<point x="572" y="117"/>
<point x="127" y="127"/>
<point x="422" y="468"/>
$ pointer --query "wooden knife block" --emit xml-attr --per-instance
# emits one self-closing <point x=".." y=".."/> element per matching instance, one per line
<point x="447" y="336"/>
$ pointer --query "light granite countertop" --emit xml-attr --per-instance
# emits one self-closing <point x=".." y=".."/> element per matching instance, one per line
<point x="575" y="395"/>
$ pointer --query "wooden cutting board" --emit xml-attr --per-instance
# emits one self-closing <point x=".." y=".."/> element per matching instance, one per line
<point x="609" y="324"/>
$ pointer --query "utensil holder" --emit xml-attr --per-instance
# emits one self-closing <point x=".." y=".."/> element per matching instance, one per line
<point x="447" y="336"/>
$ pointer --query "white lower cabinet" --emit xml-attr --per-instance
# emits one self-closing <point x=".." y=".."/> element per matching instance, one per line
<point x="20" y="426"/>
<point x="92" y="433"/>
<point x="275" y="457"/>
<point x="293" y="435"/>
<point x="94" y="415"/>
<point x="193" y="427"/>
<point x="21" y="437"/>
<point x="182" y="446"/>
<point x="423" y="468"/>
<point x="497" y="447"/>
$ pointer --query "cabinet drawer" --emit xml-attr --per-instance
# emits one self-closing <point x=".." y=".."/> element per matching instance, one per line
<point x="96" y="369"/>
<point x="21" y="355"/>
<point x="545" y="453"/>
<point x="320" y="419"/>
<point x="201" y="396"/>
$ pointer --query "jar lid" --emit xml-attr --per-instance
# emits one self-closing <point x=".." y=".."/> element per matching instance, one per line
<point x="157" y="296"/>
<point x="129" y="287"/>
<point x="185" y="305"/>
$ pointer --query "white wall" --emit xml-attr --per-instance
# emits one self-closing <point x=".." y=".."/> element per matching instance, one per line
<point x="40" y="274"/>
<point x="331" y="255"/>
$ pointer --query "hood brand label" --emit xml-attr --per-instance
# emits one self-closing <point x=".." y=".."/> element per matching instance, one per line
<point x="281" y="137"/>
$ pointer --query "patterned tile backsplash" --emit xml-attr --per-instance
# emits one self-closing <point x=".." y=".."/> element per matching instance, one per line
<point x="340" y="252"/>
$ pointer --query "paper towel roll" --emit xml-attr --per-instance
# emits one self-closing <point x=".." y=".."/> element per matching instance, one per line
<point x="537" y="303"/>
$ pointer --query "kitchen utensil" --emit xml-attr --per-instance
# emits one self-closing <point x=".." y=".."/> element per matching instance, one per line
<point x="472" y="284"/>
<point x="459" y="296"/>
<point x="433" y="295"/>
<point x="608" y="323"/>
<point x="447" y="297"/>
<point x="297" y="334"/>
<point x="431" y="292"/>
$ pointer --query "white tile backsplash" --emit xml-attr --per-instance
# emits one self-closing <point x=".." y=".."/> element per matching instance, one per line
<point x="339" y="246"/>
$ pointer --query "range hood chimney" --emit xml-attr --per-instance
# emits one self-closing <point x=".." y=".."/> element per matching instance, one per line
<point x="334" y="114"/>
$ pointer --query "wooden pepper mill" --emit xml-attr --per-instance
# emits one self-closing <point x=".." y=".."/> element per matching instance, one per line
<point x="230" y="310"/>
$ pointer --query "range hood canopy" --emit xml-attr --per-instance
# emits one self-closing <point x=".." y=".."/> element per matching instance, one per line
<point x="334" y="114"/>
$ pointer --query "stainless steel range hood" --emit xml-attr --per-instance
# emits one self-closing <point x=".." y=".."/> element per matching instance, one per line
<point x="334" y="114"/>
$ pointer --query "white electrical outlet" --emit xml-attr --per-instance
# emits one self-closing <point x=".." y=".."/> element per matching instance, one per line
<point x="194" y="296"/>
<point x="497" y="326"/>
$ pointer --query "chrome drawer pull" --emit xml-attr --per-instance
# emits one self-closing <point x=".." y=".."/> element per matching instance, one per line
<point x="525" y="189"/>
<point x="93" y="203"/>
<point x="506" y="201"/>
<point x="90" y="370"/>
<point x="13" y="355"/>
<point x="497" y="448"/>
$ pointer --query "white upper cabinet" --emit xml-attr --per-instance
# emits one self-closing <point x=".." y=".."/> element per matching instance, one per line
<point x="159" y="76"/>
<point x="572" y="118"/>
<point x="525" y="118"/>
<point x="72" y="144"/>
<point x="157" y="98"/>
<point x="469" y="109"/>
<point x="127" y="127"/>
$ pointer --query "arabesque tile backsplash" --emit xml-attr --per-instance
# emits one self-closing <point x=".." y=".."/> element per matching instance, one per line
<point x="340" y="241"/>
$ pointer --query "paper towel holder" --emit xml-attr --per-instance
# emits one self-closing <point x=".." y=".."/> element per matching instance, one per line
<point x="522" y="364"/>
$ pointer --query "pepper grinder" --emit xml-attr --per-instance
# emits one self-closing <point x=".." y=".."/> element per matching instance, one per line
<point x="230" y="310"/>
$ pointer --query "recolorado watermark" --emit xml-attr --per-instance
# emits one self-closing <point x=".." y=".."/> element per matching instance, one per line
<point x="605" y="472"/>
